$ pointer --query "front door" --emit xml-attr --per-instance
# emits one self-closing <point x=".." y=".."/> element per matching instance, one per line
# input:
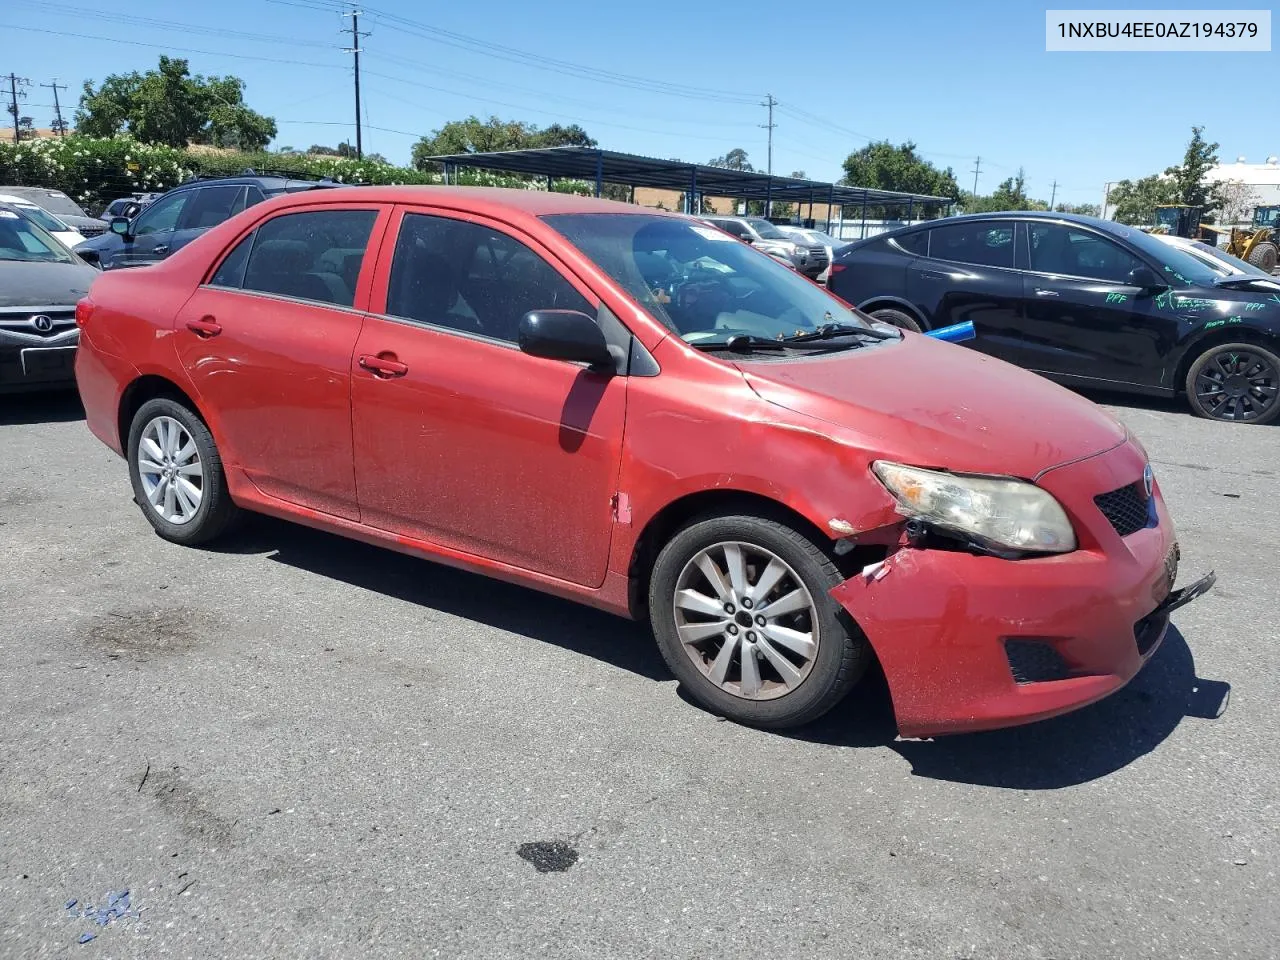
<point x="267" y="343"/>
<point x="969" y="275"/>
<point x="460" y="438"/>
<point x="1084" y="321"/>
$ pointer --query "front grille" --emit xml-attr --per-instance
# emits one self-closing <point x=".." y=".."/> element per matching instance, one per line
<point x="88" y="232"/>
<point x="1128" y="508"/>
<point x="1034" y="661"/>
<point x="25" y="322"/>
<point x="818" y="253"/>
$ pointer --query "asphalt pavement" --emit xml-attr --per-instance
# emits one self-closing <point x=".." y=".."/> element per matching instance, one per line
<point x="299" y="746"/>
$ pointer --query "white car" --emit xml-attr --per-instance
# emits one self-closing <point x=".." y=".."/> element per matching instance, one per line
<point x="1216" y="259"/>
<point x="68" y="236"/>
<point x="818" y="239"/>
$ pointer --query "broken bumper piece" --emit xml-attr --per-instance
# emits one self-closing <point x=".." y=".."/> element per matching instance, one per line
<point x="973" y="642"/>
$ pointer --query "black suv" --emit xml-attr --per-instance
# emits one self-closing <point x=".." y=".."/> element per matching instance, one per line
<point x="175" y="218"/>
<point x="1083" y="301"/>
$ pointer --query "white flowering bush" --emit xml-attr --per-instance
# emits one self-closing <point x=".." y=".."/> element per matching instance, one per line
<point x="94" y="171"/>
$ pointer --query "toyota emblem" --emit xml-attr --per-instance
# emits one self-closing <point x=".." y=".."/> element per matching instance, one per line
<point x="1148" y="481"/>
<point x="42" y="322"/>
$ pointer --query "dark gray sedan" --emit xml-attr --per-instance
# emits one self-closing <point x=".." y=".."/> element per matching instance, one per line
<point x="40" y="282"/>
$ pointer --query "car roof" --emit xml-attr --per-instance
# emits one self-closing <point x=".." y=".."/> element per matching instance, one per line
<point x="535" y="203"/>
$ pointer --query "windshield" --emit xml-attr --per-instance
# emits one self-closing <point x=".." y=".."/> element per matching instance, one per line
<point x="20" y="239"/>
<point x="766" y="229"/>
<point x="1181" y="269"/>
<point x="698" y="282"/>
<point x="55" y="202"/>
<point x="43" y="217"/>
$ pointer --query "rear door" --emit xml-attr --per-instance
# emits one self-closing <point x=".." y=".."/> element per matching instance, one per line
<point x="267" y="344"/>
<point x="969" y="274"/>
<point x="1083" y="319"/>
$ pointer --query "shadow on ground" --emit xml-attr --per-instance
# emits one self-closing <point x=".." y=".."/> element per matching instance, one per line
<point x="19" y="409"/>
<point x="1052" y="754"/>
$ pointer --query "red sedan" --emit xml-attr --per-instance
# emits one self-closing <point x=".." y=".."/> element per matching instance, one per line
<point x="632" y="410"/>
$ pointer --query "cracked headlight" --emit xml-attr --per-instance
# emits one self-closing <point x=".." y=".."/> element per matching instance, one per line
<point x="1004" y="513"/>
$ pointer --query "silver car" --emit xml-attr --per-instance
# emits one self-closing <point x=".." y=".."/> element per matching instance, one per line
<point x="808" y="259"/>
<point x="816" y="238"/>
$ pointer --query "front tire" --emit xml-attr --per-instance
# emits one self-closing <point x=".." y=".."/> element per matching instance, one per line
<point x="177" y="475"/>
<point x="1235" y="382"/>
<point x="899" y="319"/>
<point x="740" y="609"/>
<point x="1264" y="256"/>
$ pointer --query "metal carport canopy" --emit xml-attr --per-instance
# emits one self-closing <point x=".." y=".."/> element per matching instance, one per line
<point x="608" y="166"/>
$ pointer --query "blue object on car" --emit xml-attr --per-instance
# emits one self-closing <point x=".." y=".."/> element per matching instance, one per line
<point x="955" y="333"/>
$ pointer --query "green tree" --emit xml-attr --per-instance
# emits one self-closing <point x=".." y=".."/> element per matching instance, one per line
<point x="799" y="175"/>
<point x="1011" y="194"/>
<point x="735" y="159"/>
<point x="882" y="166"/>
<point x="170" y="106"/>
<point x="1190" y="178"/>
<point x="1135" y="201"/>
<point x="474" y="135"/>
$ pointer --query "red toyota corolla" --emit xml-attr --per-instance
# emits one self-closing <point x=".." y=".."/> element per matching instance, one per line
<point x="633" y="410"/>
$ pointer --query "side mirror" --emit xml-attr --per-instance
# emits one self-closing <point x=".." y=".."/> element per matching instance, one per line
<point x="1145" y="278"/>
<point x="564" y="335"/>
<point x="120" y="227"/>
<point x="90" y="257"/>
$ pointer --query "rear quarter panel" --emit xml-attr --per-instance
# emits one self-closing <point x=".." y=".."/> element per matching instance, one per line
<point x="871" y="272"/>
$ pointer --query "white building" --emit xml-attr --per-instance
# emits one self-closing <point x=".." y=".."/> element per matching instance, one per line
<point x="1263" y="179"/>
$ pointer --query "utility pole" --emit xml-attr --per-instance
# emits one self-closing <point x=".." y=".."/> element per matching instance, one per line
<point x="977" y="167"/>
<point x="354" y="50"/>
<point x="770" y="103"/>
<point x="1053" y="196"/>
<point x="57" y="107"/>
<point x="14" y="94"/>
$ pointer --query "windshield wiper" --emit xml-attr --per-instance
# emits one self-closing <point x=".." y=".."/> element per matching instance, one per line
<point x="739" y="343"/>
<point x="829" y="330"/>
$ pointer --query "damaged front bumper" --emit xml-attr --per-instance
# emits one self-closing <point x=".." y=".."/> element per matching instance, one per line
<point x="971" y="642"/>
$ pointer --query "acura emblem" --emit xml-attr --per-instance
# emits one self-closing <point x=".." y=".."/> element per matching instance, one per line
<point x="1148" y="481"/>
<point x="42" y="323"/>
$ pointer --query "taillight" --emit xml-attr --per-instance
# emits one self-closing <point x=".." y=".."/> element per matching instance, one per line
<point x="84" y="310"/>
<point x="838" y="268"/>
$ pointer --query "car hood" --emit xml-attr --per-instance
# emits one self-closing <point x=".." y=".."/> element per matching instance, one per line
<point x="27" y="284"/>
<point x="940" y="405"/>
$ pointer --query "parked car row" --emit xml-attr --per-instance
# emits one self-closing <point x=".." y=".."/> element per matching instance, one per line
<point x="1083" y="301"/>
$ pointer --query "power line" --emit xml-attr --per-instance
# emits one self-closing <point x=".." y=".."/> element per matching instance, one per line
<point x="58" y="124"/>
<point x="770" y="102"/>
<point x="14" y="93"/>
<point x="355" y="52"/>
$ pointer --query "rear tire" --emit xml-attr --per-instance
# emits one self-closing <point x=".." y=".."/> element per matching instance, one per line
<point x="1235" y="383"/>
<point x="177" y="475"/>
<point x="793" y="653"/>
<point x="899" y="319"/>
<point x="1264" y="256"/>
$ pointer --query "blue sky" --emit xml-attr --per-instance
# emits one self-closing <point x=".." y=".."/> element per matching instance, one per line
<point x="959" y="79"/>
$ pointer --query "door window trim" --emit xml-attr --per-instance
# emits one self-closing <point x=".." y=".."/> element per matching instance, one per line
<point x="965" y="263"/>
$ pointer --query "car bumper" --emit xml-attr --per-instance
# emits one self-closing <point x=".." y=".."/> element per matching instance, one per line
<point x="100" y="378"/>
<point x="973" y="642"/>
<point x="38" y="366"/>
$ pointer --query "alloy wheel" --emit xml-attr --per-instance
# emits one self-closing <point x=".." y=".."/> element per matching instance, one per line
<point x="170" y="469"/>
<point x="746" y="620"/>
<point x="1238" y="385"/>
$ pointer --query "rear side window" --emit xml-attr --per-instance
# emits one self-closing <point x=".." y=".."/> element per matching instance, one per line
<point x="917" y="243"/>
<point x="986" y="243"/>
<point x="468" y="277"/>
<point x="211" y="206"/>
<point x="733" y="227"/>
<point x="314" y="255"/>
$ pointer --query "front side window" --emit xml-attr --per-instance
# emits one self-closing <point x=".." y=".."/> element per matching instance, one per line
<point x="312" y="255"/>
<point x="162" y="215"/>
<point x="984" y="243"/>
<point x="468" y="277"/>
<point x="1079" y="253"/>
<point x="701" y="284"/>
